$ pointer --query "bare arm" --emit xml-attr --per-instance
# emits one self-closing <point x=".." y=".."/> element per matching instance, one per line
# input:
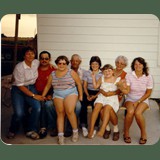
<point x="78" y="83"/>
<point x="48" y="85"/>
<point x="96" y="84"/>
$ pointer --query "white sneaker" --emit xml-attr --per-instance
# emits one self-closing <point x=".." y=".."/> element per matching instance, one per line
<point x="94" y="133"/>
<point x="84" y="131"/>
<point x="61" y="140"/>
<point x="75" y="136"/>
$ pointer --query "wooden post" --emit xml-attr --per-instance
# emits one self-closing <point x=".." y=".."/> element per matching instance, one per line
<point x="16" y="39"/>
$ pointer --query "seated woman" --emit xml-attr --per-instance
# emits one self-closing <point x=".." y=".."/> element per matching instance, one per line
<point x="138" y="89"/>
<point x="90" y="93"/>
<point x="65" y="96"/>
<point x="108" y="83"/>
<point x="24" y="92"/>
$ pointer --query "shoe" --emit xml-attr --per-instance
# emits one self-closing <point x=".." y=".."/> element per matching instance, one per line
<point x="84" y="131"/>
<point x="106" y="134"/>
<point x="10" y="135"/>
<point x="32" y="135"/>
<point x="142" y="141"/>
<point x="115" y="136"/>
<point x="53" y="133"/>
<point x="127" y="139"/>
<point x="68" y="134"/>
<point x="94" y="133"/>
<point x="61" y="140"/>
<point x="43" y="133"/>
<point x="75" y="136"/>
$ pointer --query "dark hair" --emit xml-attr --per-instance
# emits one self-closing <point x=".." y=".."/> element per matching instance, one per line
<point x="62" y="58"/>
<point x="95" y="59"/>
<point x="143" y="62"/>
<point x="26" y="49"/>
<point x="106" y="66"/>
<point x="45" y="52"/>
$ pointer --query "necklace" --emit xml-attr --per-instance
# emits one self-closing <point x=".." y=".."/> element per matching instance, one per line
<point x="117" y="74"/>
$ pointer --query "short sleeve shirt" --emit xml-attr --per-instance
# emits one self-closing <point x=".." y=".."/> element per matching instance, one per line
<point x="138" y="86"/>
<point x="88" y="78"/>
<point x="25" y="75"/>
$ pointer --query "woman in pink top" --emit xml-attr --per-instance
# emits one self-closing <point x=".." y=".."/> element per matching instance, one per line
<point x="138" y="89"/>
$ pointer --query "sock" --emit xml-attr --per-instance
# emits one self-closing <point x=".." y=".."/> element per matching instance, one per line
<point x="115" y="128"/>
<point x="108" y="127"/>
<point x="60" y="134"/>
<point x="75" y="130"/>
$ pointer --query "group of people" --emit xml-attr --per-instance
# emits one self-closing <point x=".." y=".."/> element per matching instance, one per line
<point x="55" y="98"/>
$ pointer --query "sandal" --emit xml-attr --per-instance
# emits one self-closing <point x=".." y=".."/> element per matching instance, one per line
<point x="127" y="139"/>
<point x="43" y="133"/>
<point x="32" y="135"/>
<point x="142" y="141"/>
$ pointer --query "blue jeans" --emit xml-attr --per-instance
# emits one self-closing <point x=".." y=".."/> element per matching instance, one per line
<point x="49" y="118"/>
<point x="68" y="127"/>
<point x="19" y="100"/>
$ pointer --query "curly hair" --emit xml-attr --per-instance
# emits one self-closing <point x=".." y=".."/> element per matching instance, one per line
<point x="143" y="62"/>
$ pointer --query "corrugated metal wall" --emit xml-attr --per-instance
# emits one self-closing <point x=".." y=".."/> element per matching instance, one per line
<point x="105" y="35"/>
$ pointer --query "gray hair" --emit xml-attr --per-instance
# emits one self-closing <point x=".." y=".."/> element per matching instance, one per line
<point x="76" y="55"/>
<point x="123" y="58"/>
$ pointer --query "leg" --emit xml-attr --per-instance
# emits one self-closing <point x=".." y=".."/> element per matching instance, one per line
<point x="70" y="103"/>
<point x="94" y="116"/>
<point x="140" y="119"/>
<point x="43" y="121"/>
<point x="58" y="102"/>
<point x="106" y="117"/>
<point x="18" y="111"/>
<point x="83" y="112"/>
<point x="68" y="127"/>
<point x="128" y="120"/>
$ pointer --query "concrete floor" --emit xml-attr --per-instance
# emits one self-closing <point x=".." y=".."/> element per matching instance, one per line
<point x="152" y="117"/>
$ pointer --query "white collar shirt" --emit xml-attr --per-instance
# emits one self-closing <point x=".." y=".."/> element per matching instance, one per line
<point x="25" y="75"/>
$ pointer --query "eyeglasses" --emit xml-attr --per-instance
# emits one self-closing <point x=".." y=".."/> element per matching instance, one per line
<point x="61" y="63"/>
<point x="119" y="63"/>
<point x="44" y="59"/>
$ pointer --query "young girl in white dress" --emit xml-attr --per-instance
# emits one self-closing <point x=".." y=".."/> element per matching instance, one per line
<point x="108" y="83"/>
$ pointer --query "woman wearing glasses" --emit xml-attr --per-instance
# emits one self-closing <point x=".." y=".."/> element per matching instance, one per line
<point x="65" y="96"/>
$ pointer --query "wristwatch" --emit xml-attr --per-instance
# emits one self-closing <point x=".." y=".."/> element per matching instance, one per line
<point x="33" y="95"/>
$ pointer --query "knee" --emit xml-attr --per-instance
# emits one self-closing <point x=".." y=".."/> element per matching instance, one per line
<point x="138" y="114"/>
<point x="130" y="112"/>
<point x="49" y="105"/>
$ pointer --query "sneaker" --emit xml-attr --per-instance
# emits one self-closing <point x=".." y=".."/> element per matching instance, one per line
<point x="94" y="133"/>
<point x="61" y="140"/>
<point x="75" y="136"/>
<point x="84" y="131"/>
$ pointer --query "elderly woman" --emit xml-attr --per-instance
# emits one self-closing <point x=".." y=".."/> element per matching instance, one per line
<point x="65" y="96"/>
<point x="138" y="89"/>
<point x="23" y="92"/>
<point x="121" y="62"/>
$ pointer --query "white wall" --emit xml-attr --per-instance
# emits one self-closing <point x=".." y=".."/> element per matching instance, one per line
<point x="105" y="35"/>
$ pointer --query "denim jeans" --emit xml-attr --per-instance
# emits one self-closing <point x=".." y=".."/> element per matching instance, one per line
<point x="68" y="127"/>
<point x="19" y="101"/>
<point x="48" y="116"/>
